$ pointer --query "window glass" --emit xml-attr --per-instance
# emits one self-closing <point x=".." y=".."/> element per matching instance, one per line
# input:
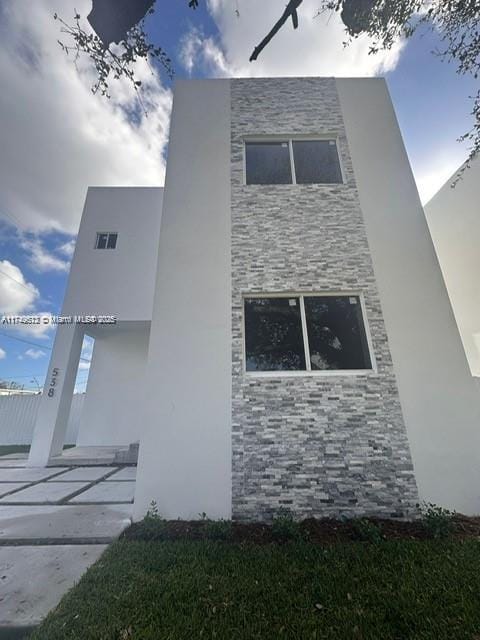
<point x="336" y="333"/>
<point x="101" y="240"/>
<point x="273" y="334"/>
<point x="316" y="161"/>
<point x="112" y="241"/>
<point x="268" y="163"/>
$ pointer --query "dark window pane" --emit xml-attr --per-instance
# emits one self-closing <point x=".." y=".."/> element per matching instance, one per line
<point x="336" y="333"/>
<point x="112" y="241"/>
<point x="316" y="161"/>
<point x="268" y="163"/>
<point x="101" y="240"/>
<point x="273" y="335"/>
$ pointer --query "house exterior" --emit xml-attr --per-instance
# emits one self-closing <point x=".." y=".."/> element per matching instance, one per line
<point x="453" y="216"/>
<point x="104" y="282"/>
<point x="299" y="350"/>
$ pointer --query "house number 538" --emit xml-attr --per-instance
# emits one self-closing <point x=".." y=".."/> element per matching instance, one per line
<point x="53" y="382"/>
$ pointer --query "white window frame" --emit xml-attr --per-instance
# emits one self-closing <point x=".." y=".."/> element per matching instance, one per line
<point x="309" y="371"/>
<point x="105" y="233"/>
<point x="289" y="139"/>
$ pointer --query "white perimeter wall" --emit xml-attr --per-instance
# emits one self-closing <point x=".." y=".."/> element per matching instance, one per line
<point x="18" y="415"/>
<point x="439" y="397"/>
<point x="453" y="216"/>
<point x="115" y="383"/>
<point x="185" y="451"/>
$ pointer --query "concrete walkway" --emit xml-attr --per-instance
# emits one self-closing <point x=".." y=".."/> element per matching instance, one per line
<point x="54" y="523"/>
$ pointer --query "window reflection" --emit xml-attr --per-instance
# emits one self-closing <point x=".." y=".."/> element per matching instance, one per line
<point x="273" y="334"/>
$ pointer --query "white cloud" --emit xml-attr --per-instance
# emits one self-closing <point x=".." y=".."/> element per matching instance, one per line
<point x="41" y="259"/>
<point x="57" y="138"/>
<point x="16" y="294"/>
<point x="35" y="354"/>
<point x="40" y="331"/>
<point x="67" y="248"/>
<point x="314" y="49"/>
<point x="3" y="354"/>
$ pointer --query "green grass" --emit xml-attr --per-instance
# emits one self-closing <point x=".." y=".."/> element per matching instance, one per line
<point x="6" y="449"/>
<point x="187" y="590"/>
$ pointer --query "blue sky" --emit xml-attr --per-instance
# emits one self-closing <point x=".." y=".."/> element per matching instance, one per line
<point x="56" y="138"/>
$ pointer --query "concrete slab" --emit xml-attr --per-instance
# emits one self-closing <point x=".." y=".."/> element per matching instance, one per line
<point x="10" y="463"/>
<point x="44" y="493"/>
<point x="107" y="492"/>
<point x="34" y="579"/>
<point x="35" y="523"/>
<point x="6" y="487"/>
<point x="85" y="456"/>
<point x="83" y="474"/>
<point x="127" y="473"/>
<point x="28" y="475"/>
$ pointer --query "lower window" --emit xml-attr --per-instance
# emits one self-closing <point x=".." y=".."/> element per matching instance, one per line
<point x="305" y="333"/>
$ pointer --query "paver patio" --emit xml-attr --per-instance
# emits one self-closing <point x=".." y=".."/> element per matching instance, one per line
<point x="48" y="538"/>
<point x="7" y="487"/>
<point x="107" y="492"/>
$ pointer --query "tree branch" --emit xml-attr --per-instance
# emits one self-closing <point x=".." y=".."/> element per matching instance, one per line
<point x="290" y="11"/>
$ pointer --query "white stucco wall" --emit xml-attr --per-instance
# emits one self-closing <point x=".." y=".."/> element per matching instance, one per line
<point x="115" y="384"/>
<point x="440" y="399"/>
<point x="185" y="451"/>
<point x="117" y="281"/>
<point x="453" y="217"/>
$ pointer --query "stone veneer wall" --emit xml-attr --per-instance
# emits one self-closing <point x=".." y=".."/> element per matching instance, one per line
<point x="315" y="445"/>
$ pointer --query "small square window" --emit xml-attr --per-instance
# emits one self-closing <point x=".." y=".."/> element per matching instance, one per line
<point x="106" y="241"/>
<point x="268" y="163"/>
<point x="102" y="239"/>
<point x="112" y="241"/>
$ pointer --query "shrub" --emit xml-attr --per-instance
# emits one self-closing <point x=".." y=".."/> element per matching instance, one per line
<point x="153" y="513"/>
<point x="152" y="527"/>
<point x="437" y="521"/>
<point x="284" y="527"/>
<point x="218" y="529"/>
<point x="367" y="531"/>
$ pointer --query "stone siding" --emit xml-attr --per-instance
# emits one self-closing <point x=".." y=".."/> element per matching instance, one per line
<point x="317" y="445"/>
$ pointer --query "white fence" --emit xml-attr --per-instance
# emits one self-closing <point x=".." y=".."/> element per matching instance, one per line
<point x="18" y="414"/>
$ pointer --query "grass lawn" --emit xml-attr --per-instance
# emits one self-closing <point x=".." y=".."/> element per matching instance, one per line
<point x="159" y="590"/>
<point x="6" y="449"/>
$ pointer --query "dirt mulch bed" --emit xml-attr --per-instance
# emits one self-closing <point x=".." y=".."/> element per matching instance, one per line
<point x="321" y="532"/>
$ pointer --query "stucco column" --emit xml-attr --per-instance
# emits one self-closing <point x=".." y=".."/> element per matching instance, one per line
<point x="52" y="417"/>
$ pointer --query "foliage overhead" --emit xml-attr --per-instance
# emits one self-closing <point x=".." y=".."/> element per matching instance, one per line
<point x="112" y="19"/>
<point x="123" y="22"/>
<point x="457" y="23"/>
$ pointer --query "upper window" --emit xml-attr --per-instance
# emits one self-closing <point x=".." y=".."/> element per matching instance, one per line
<point x="106" y="241"/>
<point x="292" y="162"/>
<point x="305" y="333"/>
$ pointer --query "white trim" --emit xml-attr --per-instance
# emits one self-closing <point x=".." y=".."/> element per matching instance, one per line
<point x="309" y="372"/>
<point x="292" y="163"/>
<point x="306" y="346"/>
<point x="289" y="139"/>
